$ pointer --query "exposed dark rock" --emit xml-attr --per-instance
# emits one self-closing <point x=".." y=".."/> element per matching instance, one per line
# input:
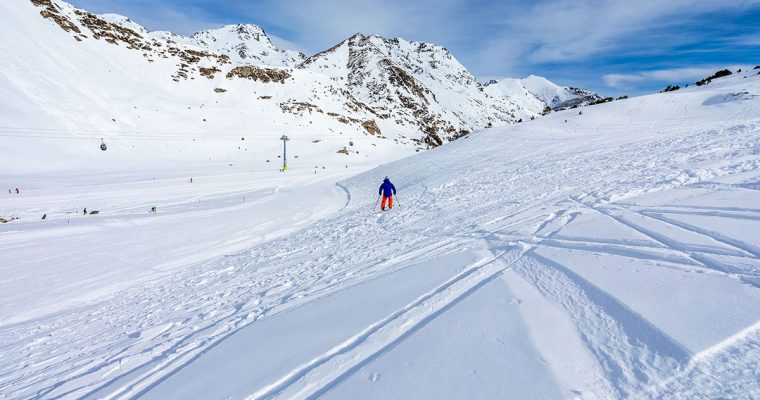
<point x="716" y="75"/>
<point x="262" y="74"/>
<point x="371" y="127"/>
<point x="209" y="72"/>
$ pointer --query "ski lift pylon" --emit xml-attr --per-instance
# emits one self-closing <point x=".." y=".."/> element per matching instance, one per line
<point x="103" y="145"/>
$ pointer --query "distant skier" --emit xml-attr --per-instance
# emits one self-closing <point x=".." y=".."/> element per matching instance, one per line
<point x="17" y="191"/>
<point x="387" y="190"/>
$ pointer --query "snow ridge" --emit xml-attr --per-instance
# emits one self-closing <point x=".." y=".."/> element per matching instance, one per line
<point x="546" y="92"/>
<point x="414" y="95"/>
<point x="246" y="43"/>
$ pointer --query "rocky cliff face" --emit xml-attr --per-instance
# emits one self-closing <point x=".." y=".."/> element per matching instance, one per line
<point x="413" y="84"/>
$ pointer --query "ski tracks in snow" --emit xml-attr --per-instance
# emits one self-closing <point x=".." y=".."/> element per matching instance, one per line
<point x="512" y="209"/>
<point x="318" y="376"/>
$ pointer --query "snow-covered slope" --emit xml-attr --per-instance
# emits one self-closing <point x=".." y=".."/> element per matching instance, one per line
<point x="607" y="255"/>
<point x="70" y="78"/>
<point x="550" y="94"/>
<point x="515" y="88"/>
<point x="556" y="96"/>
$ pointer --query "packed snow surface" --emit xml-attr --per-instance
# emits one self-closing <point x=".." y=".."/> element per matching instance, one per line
<point x="615" y="255"/>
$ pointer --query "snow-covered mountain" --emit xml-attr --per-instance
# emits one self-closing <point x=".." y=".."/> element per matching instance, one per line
<point x="548" y="93"/>
<point x="415" y="84"/>
<point x="107" y="76"/>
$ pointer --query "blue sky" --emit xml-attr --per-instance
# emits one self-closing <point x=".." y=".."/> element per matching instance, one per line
<point x="612" y="47"/>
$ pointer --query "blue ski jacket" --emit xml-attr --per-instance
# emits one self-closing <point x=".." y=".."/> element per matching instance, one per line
<point x="387" y="189"/>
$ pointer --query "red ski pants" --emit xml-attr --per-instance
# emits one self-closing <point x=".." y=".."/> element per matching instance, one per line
<point x="389" y="199"/>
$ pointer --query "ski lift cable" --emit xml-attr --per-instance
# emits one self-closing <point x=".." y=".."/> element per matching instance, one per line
<point x="20" y="130"/>
<point x="255" y="139"/>
<point x="49" y="131"/>
<point x="164" y="137"/>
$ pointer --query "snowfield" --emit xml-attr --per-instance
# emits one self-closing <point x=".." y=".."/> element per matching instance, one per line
<point x="615" y="255"/>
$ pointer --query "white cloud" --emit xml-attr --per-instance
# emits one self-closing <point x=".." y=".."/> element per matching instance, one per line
<point x="622" y="81"/>
<point x="675" y="75"/>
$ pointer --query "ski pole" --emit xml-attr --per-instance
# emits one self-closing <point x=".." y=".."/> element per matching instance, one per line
<point x="378" y="200"/>
<point x="396" y="198"/>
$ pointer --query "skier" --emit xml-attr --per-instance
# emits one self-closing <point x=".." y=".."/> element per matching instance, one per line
<point x="387" y="190"/>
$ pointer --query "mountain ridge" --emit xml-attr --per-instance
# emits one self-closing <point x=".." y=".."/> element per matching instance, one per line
<point x="395" y="93"/>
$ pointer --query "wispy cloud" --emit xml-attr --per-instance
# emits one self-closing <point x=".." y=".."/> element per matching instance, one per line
<point x="559" y="32"/>
<point x="752" y="39"/>
<point x="674" y="76"/>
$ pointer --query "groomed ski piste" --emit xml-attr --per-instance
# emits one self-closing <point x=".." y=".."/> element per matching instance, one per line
<point x="615" y="255"/>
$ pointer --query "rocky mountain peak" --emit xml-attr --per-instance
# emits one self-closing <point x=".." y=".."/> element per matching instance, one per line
<point x="358" y="36"/>
<point x="241" y="32"/>
<point x="246" y="43"/>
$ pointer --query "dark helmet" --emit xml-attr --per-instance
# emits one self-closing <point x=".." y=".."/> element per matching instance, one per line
<point x="386" y="179"/>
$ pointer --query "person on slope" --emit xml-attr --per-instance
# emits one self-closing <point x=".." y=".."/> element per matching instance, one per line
<point x="387" y="190"/>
